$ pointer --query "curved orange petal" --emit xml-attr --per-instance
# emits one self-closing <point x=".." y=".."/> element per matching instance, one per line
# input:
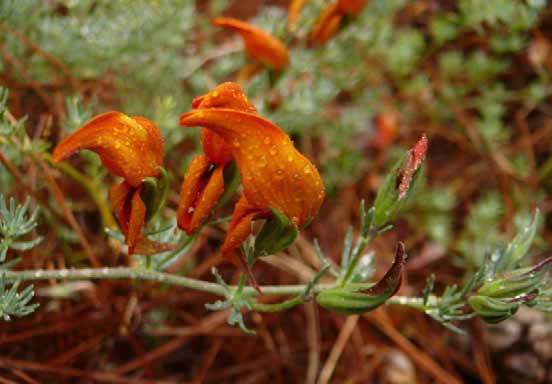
<point x="209" y="197"/>
<point x="351" y="7"/>
<point x="136" y="221"/>
<point x="327" y="25"/>
<point x="130" y="211"/>
<point x="200" y="198"/>
<point x="240" y="226"/>
<point x="226" y="95"/>
<point x="274" y="174"/>
<point x="293" y="11"/>
<point x="191" y="188"/>
<point x="258" y="43"/>
<point x="120" y="195"/>
<point x="129" y="147"/>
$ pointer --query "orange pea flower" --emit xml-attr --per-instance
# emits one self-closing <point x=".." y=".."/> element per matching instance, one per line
<point x="327" y="25"/>
<point x="351" y="7"/>
<point x="274" y="174"/>
<point x="203" y="182"/>
<point x="130" y="147"/>
<point x="259" y="44"/>
<point x="293" y="11"/>
<point x="329" y="21"/>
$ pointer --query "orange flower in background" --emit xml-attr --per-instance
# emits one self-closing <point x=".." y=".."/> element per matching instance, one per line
<point x="293" y="11"/>
<point x="326" y="25"/>
<point x="274" y="174"/>
<point x="351" y="7"/>
<point x="130" y="147"/>
<point x="203" y="182"/>
<point x="329" y="21"/>
<point x="259" y="44"/>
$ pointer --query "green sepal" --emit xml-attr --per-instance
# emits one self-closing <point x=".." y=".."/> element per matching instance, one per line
<point x="276" y="234"/>
<point x="349" y="300"/>
<point x="360" y="298"/>
<point x="154" y="192"/>
<point x="387" y="204"/>
<point x="492" y="310"/>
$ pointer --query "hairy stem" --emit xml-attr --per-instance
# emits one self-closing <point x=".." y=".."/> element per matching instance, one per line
<point x="186" y="282"/>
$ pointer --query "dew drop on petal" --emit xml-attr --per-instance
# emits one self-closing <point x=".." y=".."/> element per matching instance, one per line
<point x="236" y="144"/>
<point x="297" y="176"/>
<point x="290" y="158"/>
<point x="280" y="172"/>
<point x="266" y="140"/>
<point x="262" y="161"/>
<point x="273" y="151"/>
<point x="307" y="169"/>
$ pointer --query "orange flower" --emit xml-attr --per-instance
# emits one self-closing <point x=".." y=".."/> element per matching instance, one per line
<point x="274" y="174"/>
<point x="293" y="11"/>
<point x="203" y="182"/>
<point x="258" y="43"/>
<point x="130" y="147"/>
<point x="351" y="7"/>
<point x="329" y="21"/>
<point x="326" y="25"/>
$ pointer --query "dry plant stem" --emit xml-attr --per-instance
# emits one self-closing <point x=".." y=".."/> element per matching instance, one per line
<point x="337" y="350"/>
<point x="185" y="282"/>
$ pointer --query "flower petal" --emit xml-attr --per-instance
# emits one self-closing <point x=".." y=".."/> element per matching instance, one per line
<point x="351" y="7"/>
<point x="240" y="226"/>
<point x="258" y="43"/>
<point x="191" y="188"/>
<point x="294" y="9"/>
<point x="130" y="211"/>
<point x="200" y="194"/>
<point x="209" y="197"/>
<point x="226" y="95"/>
<point x="120" y="195"/>
<point x="136" y="221"/>
<point x="326" y="25"/>
<point x="129" y="147"/>
<point x="274" y="174"/>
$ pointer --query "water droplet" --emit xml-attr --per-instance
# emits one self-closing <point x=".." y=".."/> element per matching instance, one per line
<point x="273" y="150"/>
<point x="236" y="144"/>
<point x="296" y="176"/>
<point x="279" y="172"/>
<point x="307" y="169"/>
<point x="262" y="161"/>
<point x="266" y="140"/>
<point x="290" y="158"/>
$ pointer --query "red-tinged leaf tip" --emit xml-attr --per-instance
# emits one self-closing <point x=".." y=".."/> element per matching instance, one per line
<point x="390" y="283"/>
<point x="415" y="159"/>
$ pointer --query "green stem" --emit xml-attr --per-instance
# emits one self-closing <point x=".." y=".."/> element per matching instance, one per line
<point x="107" y="218"/>
<point x="277" y="307"/>
<point x="362" y="243"/>
<point x="186" y="282"/>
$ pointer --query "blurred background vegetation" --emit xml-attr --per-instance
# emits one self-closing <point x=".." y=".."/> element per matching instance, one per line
<point x="474" y="75"/>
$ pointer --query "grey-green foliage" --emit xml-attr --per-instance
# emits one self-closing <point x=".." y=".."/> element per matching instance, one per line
<point x="481" y="230"/>
<point x="14" y="302"/>
<point x="15" y="222"/>
<point x="499" y="287"/>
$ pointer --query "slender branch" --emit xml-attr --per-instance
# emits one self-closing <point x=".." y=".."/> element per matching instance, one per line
<point x="186" y="282"/>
